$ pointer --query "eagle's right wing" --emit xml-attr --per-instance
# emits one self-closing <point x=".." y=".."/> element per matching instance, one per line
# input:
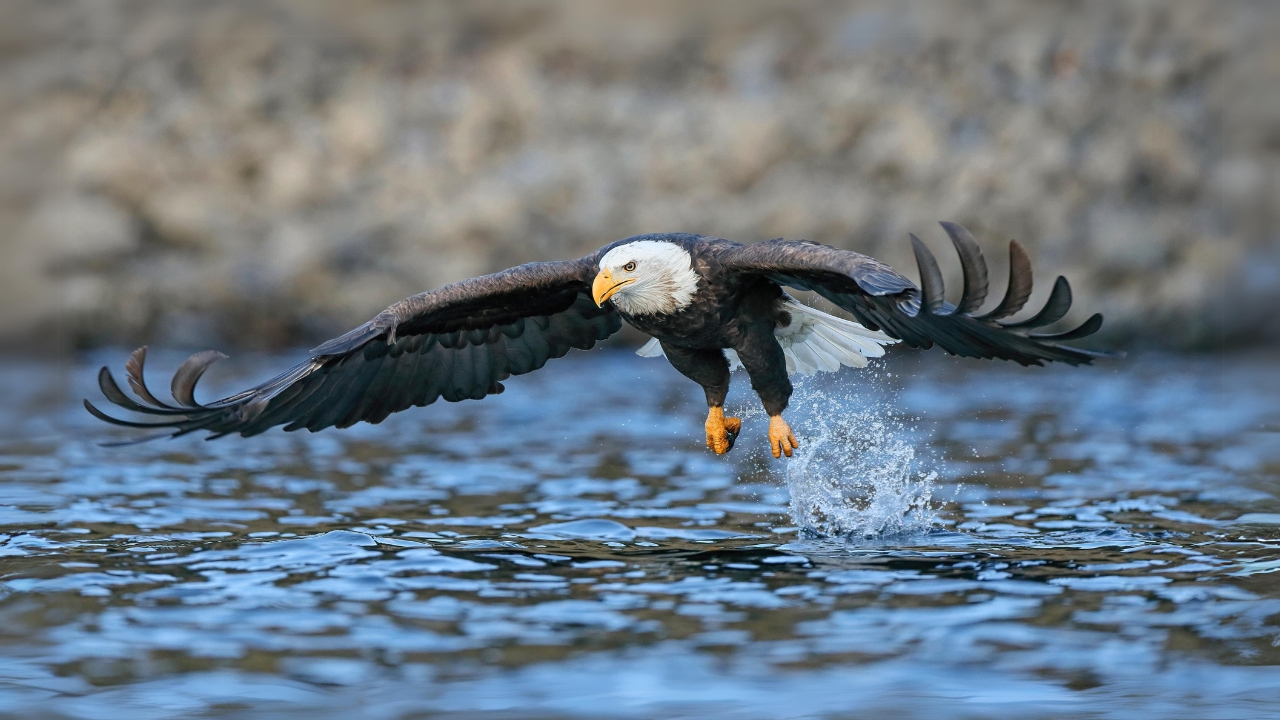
<point x="458" y="342"/>
<point x="881" y="299"/>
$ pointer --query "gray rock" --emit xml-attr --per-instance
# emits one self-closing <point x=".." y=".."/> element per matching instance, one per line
<point x="272" y="173"/>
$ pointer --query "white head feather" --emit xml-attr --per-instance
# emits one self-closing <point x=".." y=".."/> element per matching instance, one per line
<point x="663" y="272"/>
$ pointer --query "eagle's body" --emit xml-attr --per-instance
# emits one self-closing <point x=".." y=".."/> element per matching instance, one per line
<point x="709" y="304"/>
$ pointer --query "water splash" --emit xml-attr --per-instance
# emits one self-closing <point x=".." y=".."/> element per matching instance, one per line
<point x="856" y="471"/>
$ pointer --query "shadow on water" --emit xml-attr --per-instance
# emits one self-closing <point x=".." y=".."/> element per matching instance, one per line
<point x="954" y="539"/>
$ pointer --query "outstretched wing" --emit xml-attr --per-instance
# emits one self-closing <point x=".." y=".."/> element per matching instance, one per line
<point x="458" y="342"/>
<point x="882" y="299"/>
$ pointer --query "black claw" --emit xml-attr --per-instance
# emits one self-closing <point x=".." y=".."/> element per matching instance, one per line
<point x="732" y="437"/>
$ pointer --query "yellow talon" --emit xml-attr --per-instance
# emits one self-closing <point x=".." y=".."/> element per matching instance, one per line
<point x="721" y="431"/>
<point x="781" y="439"/>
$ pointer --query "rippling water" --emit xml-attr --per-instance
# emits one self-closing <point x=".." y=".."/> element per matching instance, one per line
<point x="1042" y="542"/>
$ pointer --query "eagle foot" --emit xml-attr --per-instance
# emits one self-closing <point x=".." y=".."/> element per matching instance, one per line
<point x="781" y="439"/>
<point x="721" y="431"/>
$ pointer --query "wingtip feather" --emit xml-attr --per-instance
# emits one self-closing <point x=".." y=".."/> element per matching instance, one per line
<point x="930" y="275"/>
<point x="1020" y="283"/>
<point x="1055" y="308"/>
<point x="973" y="264"/>
<point x="183" y="385"/>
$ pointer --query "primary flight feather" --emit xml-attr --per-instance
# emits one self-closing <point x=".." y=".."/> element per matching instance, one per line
<point x="710" y="304"/>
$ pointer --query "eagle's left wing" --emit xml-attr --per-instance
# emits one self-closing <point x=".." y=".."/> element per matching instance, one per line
<point x="881" y="299"/>
<point x="458" y="342"/>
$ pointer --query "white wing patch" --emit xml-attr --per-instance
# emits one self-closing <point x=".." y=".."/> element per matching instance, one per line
<point x="814" y="341"/>
<point x="653" y="348"/>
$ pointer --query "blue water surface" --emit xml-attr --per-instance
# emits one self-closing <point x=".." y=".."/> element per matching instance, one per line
<point x="958" y="539"/>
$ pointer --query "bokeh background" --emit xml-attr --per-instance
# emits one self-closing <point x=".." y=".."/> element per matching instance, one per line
<point x="266" y="173"/>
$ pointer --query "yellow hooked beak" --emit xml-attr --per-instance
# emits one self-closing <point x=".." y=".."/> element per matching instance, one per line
<point x="604" y="287"/>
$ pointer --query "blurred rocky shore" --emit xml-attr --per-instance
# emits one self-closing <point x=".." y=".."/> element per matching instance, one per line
<point x="269" y="173"/>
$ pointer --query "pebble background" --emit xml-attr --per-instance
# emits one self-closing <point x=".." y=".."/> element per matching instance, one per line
<point x="267" y="173"/>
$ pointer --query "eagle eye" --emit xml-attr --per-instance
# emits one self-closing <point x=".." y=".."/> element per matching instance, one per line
<point x="630" y="267"/>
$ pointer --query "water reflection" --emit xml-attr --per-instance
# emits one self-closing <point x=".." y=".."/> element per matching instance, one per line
<point x="1083" y="542"/>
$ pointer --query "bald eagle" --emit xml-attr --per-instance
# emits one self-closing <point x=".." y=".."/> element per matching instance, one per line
<point x="710" y="305"/>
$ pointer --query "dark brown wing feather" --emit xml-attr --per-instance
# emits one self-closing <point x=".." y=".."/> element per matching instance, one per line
<point x="455" y="343"/>
<point x="884" y="300"/>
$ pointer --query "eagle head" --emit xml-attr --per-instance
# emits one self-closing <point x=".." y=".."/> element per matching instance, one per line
<point x="646" y="277"/>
